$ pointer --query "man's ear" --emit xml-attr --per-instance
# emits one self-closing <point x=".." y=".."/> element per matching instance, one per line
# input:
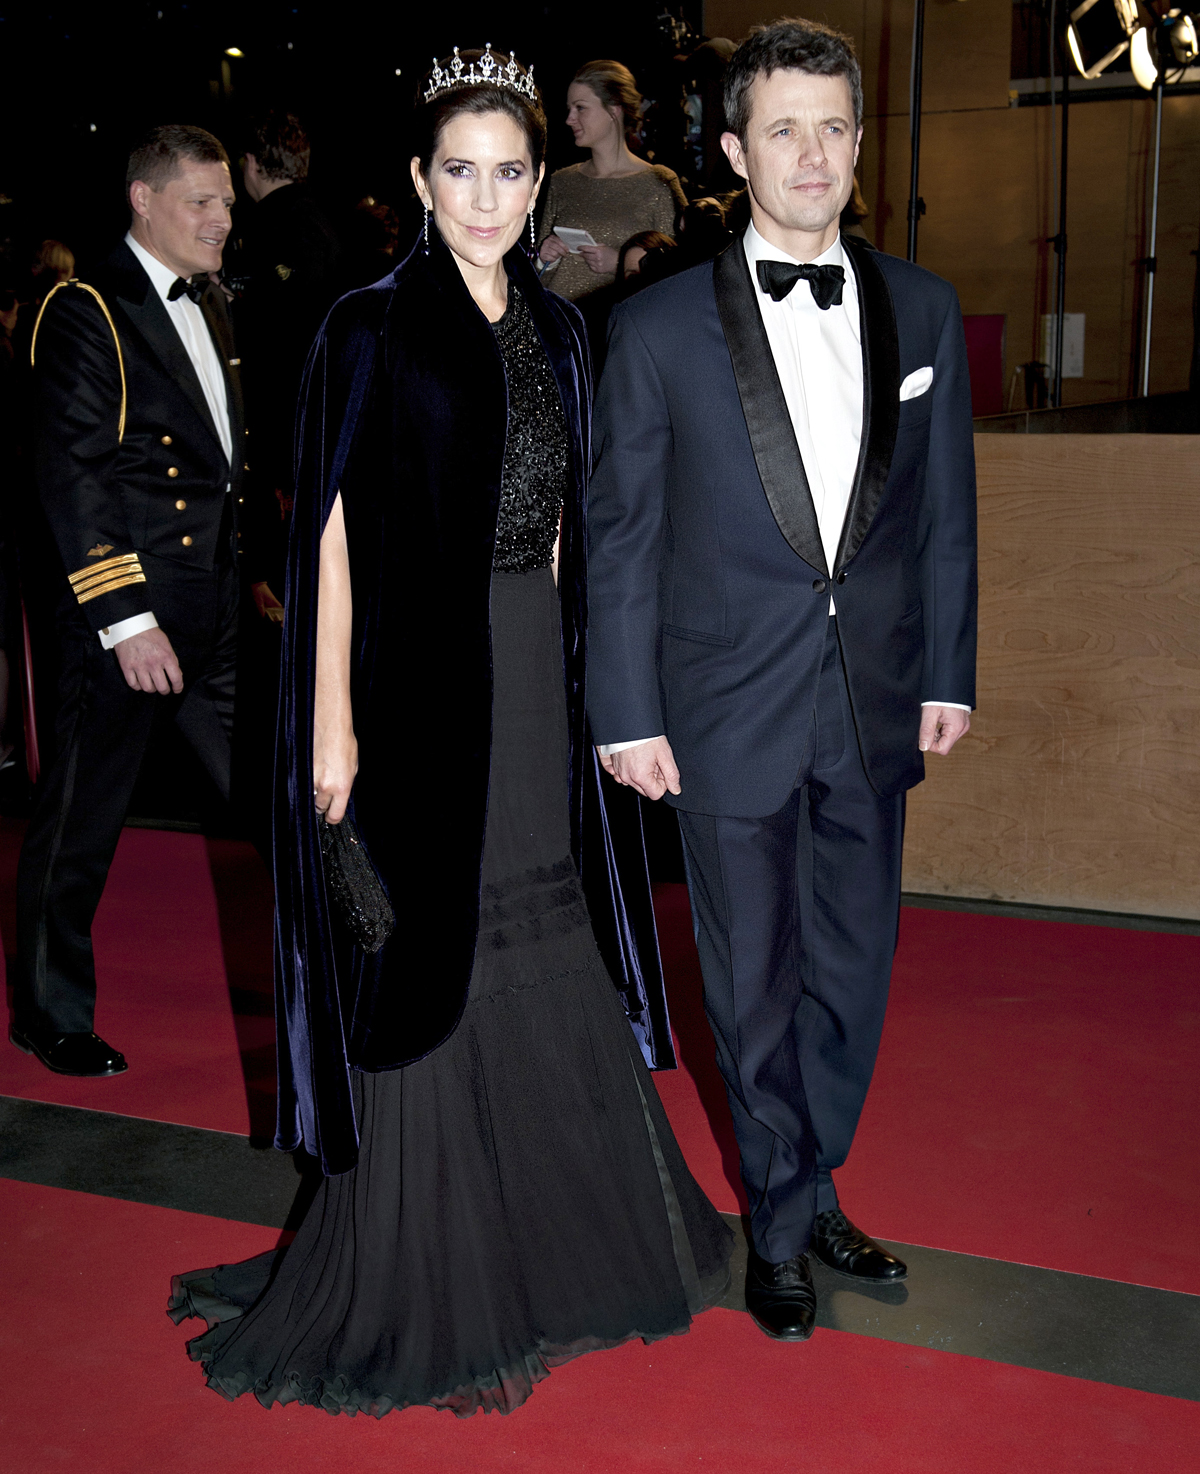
<point x="857" y="145"/>
<point x="734" y="152"/>
<point x="138" y="192"/>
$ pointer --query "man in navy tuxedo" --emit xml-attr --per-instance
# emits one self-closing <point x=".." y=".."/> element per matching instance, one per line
<point x="782" y="622"/>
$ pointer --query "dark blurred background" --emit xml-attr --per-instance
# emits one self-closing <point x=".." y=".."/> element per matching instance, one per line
<point x="82" y="81"/>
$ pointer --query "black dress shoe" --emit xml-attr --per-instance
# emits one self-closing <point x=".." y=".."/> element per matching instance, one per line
<point x="781" y="1297"/>
<point x="71" y="1054"/>
<point x="847" y="1250"/>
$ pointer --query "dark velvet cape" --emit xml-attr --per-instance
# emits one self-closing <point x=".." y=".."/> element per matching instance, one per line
<point x="404" y="411"/>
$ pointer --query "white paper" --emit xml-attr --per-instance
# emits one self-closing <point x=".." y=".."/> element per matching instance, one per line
<point x="573" y="239"/>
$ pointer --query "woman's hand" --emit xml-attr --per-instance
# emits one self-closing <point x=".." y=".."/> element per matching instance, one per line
<point x="552" y="250"/>
<point x="600" y="259"/>
<point x="335" y="764"/>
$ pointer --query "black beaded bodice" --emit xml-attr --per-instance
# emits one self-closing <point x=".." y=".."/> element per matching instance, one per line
<point x="537" y="450"/>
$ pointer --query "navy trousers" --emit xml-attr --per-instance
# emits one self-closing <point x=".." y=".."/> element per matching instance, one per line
<point x="796" y="918"/>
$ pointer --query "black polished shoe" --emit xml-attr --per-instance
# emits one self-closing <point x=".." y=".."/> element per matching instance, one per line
<point x="781" y="1297"/>
<point x="71" y="1054"/>
<point x="847" y="1250"/>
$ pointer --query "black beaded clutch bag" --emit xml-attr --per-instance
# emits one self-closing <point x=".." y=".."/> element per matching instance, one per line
<point x="356" y="894"/>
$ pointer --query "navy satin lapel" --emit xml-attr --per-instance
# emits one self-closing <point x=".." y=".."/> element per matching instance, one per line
<point x="153" y="322"/>
<point x="881" y="396"/>
<point x="776" y="454"/>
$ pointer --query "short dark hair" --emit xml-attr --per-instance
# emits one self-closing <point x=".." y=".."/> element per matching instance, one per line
<point x="789" y="45"/>
<point x="280" y="146"/>
<point x="157" y="158"/>
<point x="644" y="240"/>
<point x="478" y="99"/>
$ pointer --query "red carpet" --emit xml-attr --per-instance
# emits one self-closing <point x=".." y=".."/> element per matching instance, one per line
<point x="96" y="1378"/>
<point x="1034" y="1097"/>
<point x="1034" y="1100"/>
<point x="164" y="984"/>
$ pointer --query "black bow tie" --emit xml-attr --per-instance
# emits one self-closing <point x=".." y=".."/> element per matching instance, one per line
<point x="779" y="277"/>
<point x="193" y="289"/>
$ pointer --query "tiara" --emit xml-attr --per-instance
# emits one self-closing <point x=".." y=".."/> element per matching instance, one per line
<point x="486" y="70"/>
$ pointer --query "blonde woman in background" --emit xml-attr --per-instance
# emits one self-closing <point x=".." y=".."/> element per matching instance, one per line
<point x="613" y="194"/>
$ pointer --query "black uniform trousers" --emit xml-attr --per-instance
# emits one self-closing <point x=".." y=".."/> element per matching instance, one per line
<point x="796" y="918"/>
<point x="103" y="729"/>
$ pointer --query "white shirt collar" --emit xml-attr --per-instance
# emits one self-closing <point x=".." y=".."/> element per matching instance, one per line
<point x="162" y="277"/>
<point x="758" y="249"/>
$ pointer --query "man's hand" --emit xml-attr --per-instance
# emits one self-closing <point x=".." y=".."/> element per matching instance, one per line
<point x="649" y="767"/>
<point x="600" y="259"/>
<point x="148" y="663"/>
<point x="266" y="603"/>
<point x="941" y="727"/>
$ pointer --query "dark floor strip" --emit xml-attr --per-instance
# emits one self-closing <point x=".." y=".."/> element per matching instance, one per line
<point x="1125" y="920"/>
<point x="1044" y="1319"/>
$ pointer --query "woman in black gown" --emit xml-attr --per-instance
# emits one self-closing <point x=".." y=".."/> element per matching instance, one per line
<point x="504" y="1190"/>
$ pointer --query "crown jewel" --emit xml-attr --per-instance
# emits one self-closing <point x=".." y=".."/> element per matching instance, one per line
<point x="488" y="68"/>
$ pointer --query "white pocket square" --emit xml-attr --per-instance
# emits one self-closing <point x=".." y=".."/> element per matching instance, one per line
<point x="916" y="383"/>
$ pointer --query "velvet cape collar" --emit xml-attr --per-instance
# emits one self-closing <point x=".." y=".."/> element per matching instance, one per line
<point x="417" y="340"/>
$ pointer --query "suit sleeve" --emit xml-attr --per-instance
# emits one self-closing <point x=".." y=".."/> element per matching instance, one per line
<point x="948" y="552"/>
<point x="77" y="410"/>
<point x="627" y="503"/>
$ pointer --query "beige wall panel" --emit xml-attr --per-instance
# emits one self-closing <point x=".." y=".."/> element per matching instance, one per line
<point x="1079" y="783"/>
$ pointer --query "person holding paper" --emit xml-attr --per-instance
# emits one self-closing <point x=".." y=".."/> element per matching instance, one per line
<point x="608" y="197"/>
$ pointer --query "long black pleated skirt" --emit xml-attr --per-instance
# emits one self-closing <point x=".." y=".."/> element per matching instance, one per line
<point x="520" y="1197"/>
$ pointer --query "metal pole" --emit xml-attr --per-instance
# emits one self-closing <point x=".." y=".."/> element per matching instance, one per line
<point x="916" y="205"/>
<point x="1152" y="259"/>
<point x="1060" y="245"/>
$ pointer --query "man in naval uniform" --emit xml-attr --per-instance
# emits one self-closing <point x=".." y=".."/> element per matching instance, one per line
<point x="138" y="461"/>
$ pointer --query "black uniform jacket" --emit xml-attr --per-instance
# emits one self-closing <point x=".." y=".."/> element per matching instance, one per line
<point x="127" y="459"/>
<point x="709" y="590"/>
<point x="405" y="414"/>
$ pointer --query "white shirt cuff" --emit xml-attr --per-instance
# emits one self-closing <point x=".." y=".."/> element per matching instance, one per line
<point x="136" y="624"/>
<point x="608" y="748"/>
<point x="952" y="705"/>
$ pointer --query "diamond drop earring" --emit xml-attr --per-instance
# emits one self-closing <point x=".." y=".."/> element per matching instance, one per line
<point x="425" y="229"/>
<point x="532" y="235"/>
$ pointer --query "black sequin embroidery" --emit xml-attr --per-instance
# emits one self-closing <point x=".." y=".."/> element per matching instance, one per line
<point x="537" y="451"/>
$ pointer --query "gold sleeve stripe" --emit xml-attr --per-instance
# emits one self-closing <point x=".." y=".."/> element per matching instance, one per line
<point x="108" y="565"/>
<point x="74" y="282"/>
<point x="107" y="588"/>
<point x="106" y="578"/>
<point x="98" y="583"/>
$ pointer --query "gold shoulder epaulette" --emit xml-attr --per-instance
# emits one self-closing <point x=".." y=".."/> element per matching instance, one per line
<point x="102" y="578"/>
<point x="75" y="282"/>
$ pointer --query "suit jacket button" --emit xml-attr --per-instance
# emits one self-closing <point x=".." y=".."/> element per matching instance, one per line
<point x="166" y="440"/>
<point x="841" y="578"/>
<point x="187" y="542"/>
<point x="172" y="471"/>
<point x="818" y="585"/>
<point x="179" y="506"/>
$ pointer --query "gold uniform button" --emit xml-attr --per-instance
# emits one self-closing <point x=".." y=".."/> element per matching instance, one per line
<point x="187" y="542"/>
<point x="172" y="471"/>
<point x="166" y="440"/>
<point x="179" y="506"/>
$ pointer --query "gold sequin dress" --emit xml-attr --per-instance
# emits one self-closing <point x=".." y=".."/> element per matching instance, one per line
<point x="613" y="210"/>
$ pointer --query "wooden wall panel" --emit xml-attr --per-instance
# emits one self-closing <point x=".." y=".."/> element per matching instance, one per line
<point x="1079" y="783"/>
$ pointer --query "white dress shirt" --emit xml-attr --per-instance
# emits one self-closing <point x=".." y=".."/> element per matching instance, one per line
<point x="818" y="356"/>
<point x="189" y="323"/>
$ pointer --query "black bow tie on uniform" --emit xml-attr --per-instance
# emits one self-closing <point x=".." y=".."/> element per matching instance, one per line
<point x="179" y="288"/>
<point x="779" y="277"/>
